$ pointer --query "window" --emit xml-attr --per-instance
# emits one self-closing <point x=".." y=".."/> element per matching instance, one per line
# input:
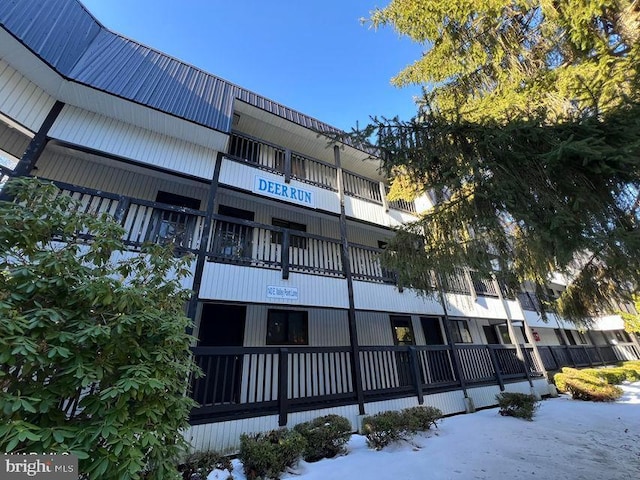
<point x="287" y="327"/>
<point x="559" y="336"/>
<point x="622" y="336"/>
<point x="582" y="338"/>
<point x="460" y="331"/>
<point x="570" y="337"/>
<point x="295" y="241"/>
<point x="504" y="335"/>
<point x="402" y="330"/>
<point x="432" y="331"/>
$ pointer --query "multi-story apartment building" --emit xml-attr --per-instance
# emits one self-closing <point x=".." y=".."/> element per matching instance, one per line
<point x="293" y="313"/>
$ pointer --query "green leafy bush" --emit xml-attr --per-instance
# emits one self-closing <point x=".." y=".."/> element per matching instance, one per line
<point x="384" y="428"/>
<point x="422" y="418"/>
<point x="94" y="358"/>
<point x="519" y="405"/>
<point x="269" y="454"/>
<point x="388" y="427"/>
<point x="198" y="465"/>
<point x="325" y="436"/>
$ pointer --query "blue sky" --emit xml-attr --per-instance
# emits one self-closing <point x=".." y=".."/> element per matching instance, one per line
<point x="315" y="57"/>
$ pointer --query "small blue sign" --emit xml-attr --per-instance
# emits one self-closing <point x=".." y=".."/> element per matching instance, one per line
<point x="282" y="191"/>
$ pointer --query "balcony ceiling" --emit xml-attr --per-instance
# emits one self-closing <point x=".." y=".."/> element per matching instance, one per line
<point x="266" y="126"/>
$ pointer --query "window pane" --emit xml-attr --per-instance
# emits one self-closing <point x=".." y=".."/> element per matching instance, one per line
<point x="287" y="327"/>
<point x="277" y="331"/>
<point x="402" y="330"/>
<point x="504" y="334"/>
<point x="297" y="334"/>
<point x="455" y="331"/>
<point x="464" y="332"/>
<point x="432" y="332"/>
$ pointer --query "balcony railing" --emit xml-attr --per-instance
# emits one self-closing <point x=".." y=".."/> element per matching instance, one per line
<point x="5" y="174"/>
<point x="279" y="160"/>
<point x="242" y="242"/>
<point x="143" y="221"/>
<point x="258" y="245"/>
<point x="260" y="380"/>
<point x="365" y="265"/>
<point x="361" y="187"/>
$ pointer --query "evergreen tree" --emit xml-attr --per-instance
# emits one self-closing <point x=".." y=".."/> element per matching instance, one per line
<point x="527" y="140"/>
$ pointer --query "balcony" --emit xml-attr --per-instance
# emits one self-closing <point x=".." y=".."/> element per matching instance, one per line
<point x="284" y="162"/>
<point x="249" y="381"/>
<point x="245" y="243"/>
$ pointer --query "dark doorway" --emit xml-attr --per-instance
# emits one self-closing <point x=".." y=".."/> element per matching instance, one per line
<point x="432" y="331"/>
<point x="221" y="325"/>
<point x="402" y="330"/>
<point x="491" y="335"/>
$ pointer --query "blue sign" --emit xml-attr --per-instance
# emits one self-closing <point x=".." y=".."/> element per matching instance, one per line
<point x="282" y="191"/>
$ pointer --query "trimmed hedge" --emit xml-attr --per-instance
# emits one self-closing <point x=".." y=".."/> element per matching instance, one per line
<point x="325" y="436"/>
<point x="388" y="427"/>
<point x="270" y="454"/>
<point x="596" y="384"/>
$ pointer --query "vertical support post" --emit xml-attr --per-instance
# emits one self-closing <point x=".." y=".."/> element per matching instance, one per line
<point x="121" y="211"/>
<point x="356" y="371"/>
<point x="512" y="332"/>
<point x="452" y="345"/>
<point x="284" y="257"/>
<point x="204" y="241"/>
<point x="287" y="166"/>
<point x="587" y="355"/>
<point x="283" y="387"/>
<point x="36" y="146"/>
<point x="383" y="195"/>
<point x="415" y="369"/>
<point x="496" y="367"/>
<point x="595" y="346"/>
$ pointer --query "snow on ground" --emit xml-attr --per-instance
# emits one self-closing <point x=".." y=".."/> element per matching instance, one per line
<point x="568" y="439"/>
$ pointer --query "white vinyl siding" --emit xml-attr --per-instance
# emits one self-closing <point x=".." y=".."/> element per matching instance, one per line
<point x="21" y="99"/>
<point x="80" y="127"/>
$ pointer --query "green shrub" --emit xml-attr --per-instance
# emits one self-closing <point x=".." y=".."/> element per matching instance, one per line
<point x="520" y="405"/>
<point x="612" y="376"/>
<point x="388" y="427"/>
<point x="198" y="465"/>
<point x="94" y="352"/>
<point x="421" y="419"/>
<point x="384" y="428"/>
<point x="595" y="390"/>
<point x="325" y="436"/>
<point x="269" y="454"/>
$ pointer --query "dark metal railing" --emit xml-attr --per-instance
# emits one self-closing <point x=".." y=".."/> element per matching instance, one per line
<point x="554" y="357"/>
<point x="361" y="187"/>
<point x="456" y="282"/>
<point x="366" y="266"/>
<point x="5" y="174"/>
<point x="483" y="286"/>
<point x="143" y="221"/>
<point x="258" y="245"/>
<point x="260" y="380"/>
